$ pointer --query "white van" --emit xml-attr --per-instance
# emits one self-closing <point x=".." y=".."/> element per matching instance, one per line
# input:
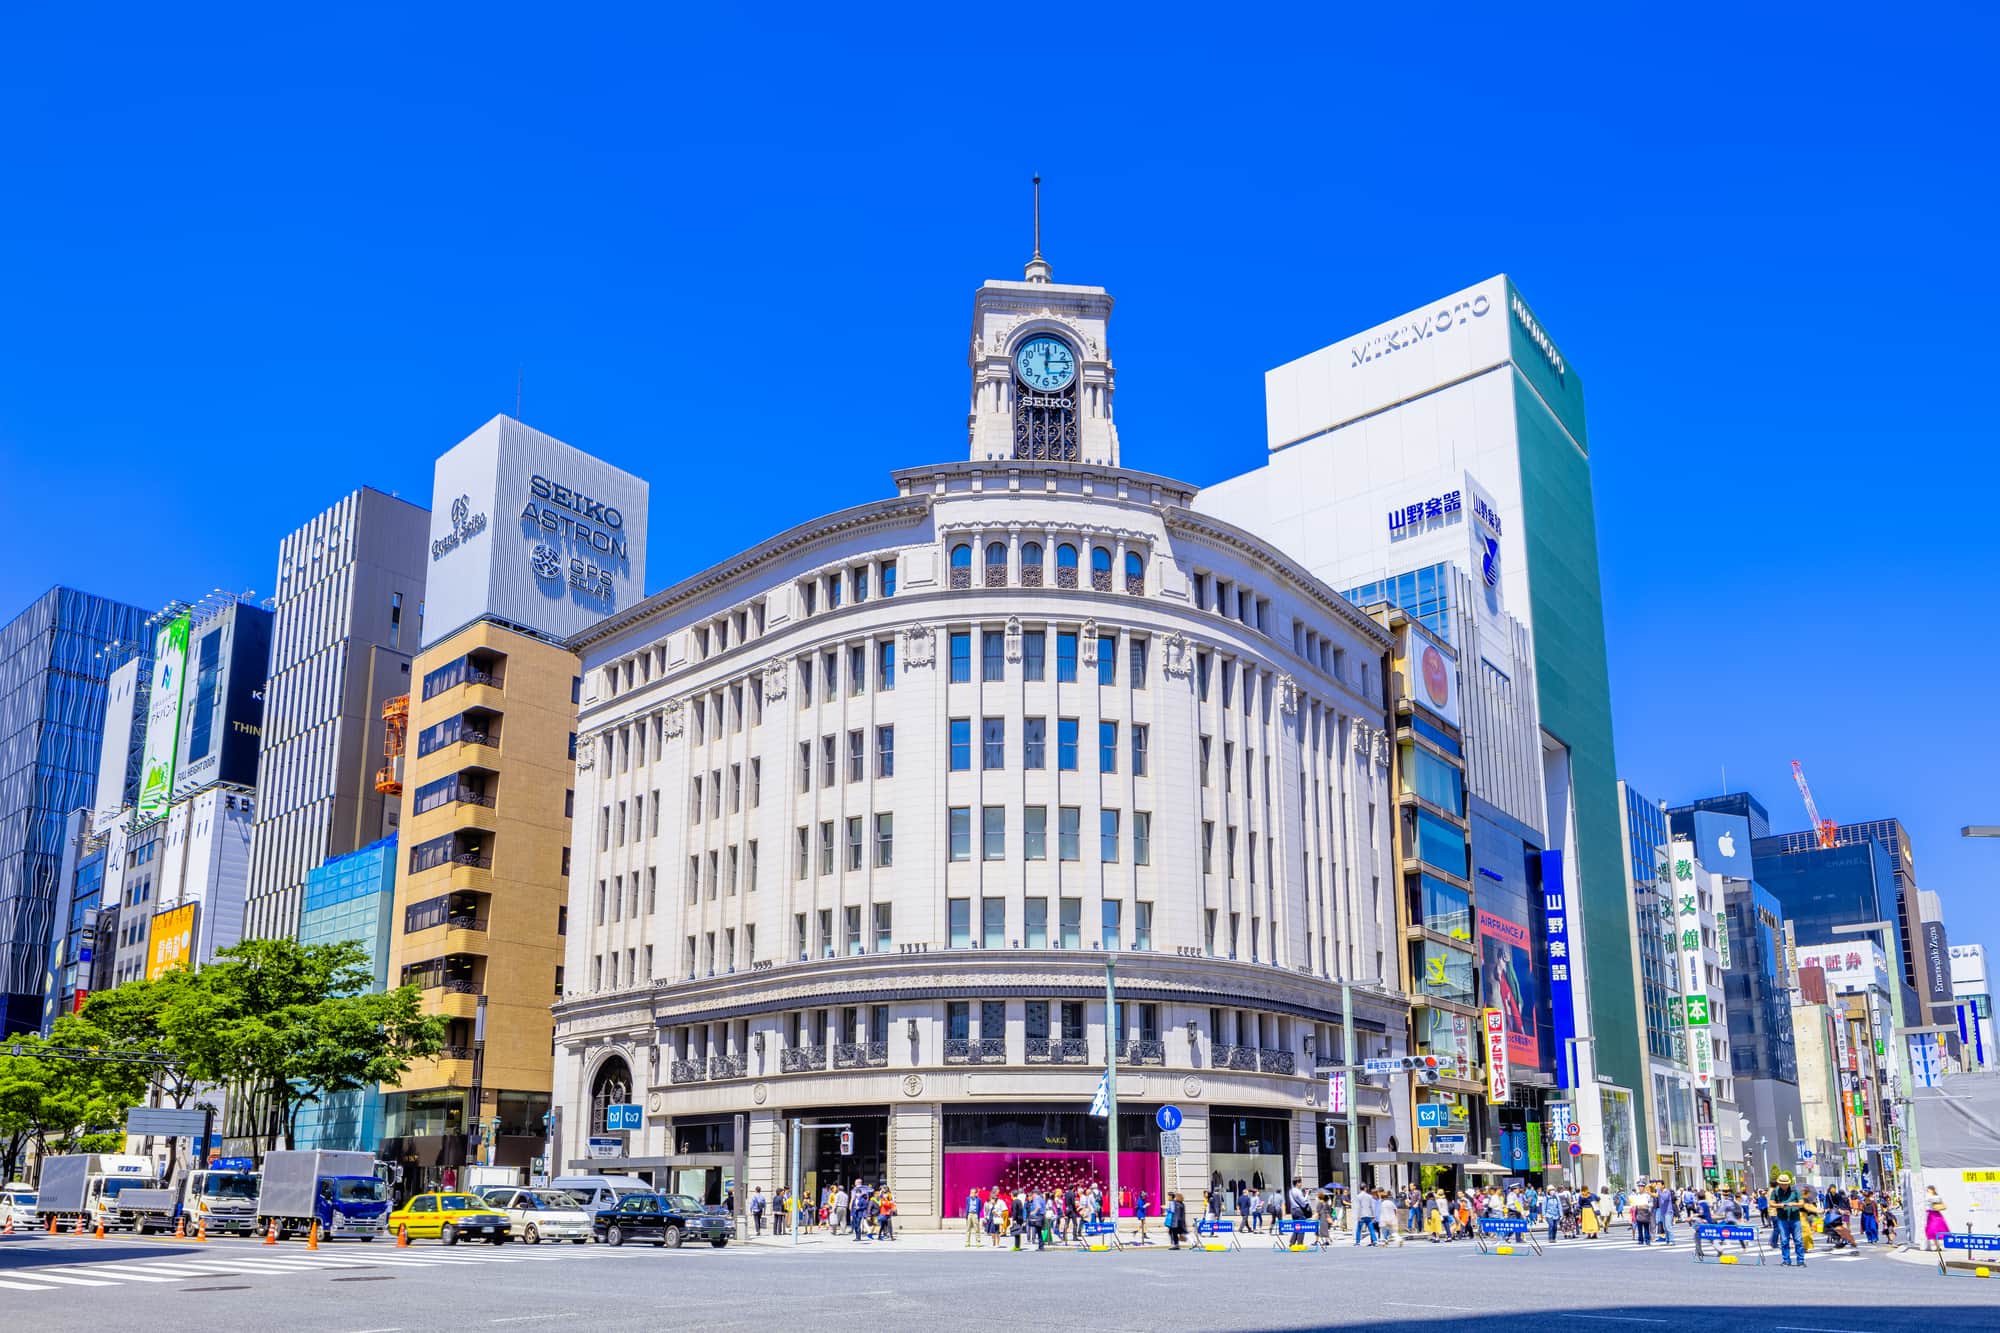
<point x="599" y="1192"/>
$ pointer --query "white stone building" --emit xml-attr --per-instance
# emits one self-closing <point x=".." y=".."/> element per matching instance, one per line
<point x="862" y="813"/>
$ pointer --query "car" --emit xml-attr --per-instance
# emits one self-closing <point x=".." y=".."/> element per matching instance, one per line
<point x="17" y="1205"/>
<point x="452" y="1217"/>
<point x="545" y="1214"/>
<point x="664" y="1219"/>
<point x="493" y="1194"/>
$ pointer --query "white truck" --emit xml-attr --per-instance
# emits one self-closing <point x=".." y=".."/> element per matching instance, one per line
<point x="341" y="1191"/>
<point x="88" y="1186"/>
<point x="220" y="1197"/>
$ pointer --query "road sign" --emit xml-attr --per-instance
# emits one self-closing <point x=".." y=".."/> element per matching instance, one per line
<point x="1170" y="1143"/>
<point x="1576" y="1150"/>
<point x="1168" y="1118"/>
<point x="1575" y="1130"/>
<point x="165" y="1121"/>
<point x="604" y="1146"/>
<point x="847" y="1143"/>
<point x="624" y="1115"/>
<point x="1433" y="1116"/>
<point x="1452" y="1144"/>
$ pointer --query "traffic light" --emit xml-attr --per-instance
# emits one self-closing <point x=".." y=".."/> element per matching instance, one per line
<point x="847" y="1143"/>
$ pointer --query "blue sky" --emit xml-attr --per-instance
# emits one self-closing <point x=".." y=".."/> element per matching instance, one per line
<point x="253" y="259"/>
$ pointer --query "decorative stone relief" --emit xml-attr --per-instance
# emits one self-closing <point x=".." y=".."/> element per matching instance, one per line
<point x="656" y="1103"/>
<point x="1288" y="696"/>
<point x="586" y="754"/>
<point x="776" y="674"/>
<point x="1191" y="1086"/>
<point x="1362" y="733"/>
<point x="919" y="646"/>
<point x="1381" y="740"/>
<point x="1090" y="643"/>
<point x="1179" y="654"/>
<point x="671" y="719"/>
<point x="1013" y="638"/>
<point x="913" y="1085"/>
<point x="759" y="1093"/>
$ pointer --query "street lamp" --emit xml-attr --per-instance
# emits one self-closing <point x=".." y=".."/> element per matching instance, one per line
<point x="1899" y="1061"/>
<point x="1347" y="1072"/>
<point x="1980" y="831"/>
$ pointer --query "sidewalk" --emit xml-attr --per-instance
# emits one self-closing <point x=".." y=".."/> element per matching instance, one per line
<point x="952" y="1238"/>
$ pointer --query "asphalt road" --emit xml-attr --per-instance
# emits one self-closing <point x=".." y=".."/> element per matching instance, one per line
<point x="50" y="1285"/>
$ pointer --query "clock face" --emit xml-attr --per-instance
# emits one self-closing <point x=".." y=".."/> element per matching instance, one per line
<point x="1045" y="363"/>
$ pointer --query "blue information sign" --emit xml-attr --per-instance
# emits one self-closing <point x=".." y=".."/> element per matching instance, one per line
<point x="1504" y="1226"/>
<point x="1555" y="927"/>
<point x="232" y="1164"/>
<point x="1718" y="1232"/>
<point x="1168" y="1118"/>
<point x="1218" y="1227"/>
<point x="624" y="1115"/>
<point x="1099" y="1229"/>
<point x="1433" y="1115"/>
<point x="1967" y="1241"/>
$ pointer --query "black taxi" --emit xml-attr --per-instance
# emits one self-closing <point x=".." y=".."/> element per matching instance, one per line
<point x="664" y="1219"/>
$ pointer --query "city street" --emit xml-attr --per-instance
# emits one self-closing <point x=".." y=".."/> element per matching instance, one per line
<point x="51" y="1284"/>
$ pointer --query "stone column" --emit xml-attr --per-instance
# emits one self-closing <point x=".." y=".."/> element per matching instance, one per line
<point x="916" y="1164"/>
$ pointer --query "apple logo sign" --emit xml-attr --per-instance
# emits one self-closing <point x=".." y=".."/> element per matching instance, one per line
<point x="1725" y="843"/>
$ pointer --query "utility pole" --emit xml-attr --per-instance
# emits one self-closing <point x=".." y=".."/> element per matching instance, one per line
<point x="1110" y="1044"/>
<point x="1353" y="1092"/>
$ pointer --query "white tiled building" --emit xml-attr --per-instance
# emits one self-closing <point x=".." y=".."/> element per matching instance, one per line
<point x="860" y="813"/>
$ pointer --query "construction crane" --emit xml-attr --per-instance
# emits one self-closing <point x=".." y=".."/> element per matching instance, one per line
<point x="1823" y="828"/>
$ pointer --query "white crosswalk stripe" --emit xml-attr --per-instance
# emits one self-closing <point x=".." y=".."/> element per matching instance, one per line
<point x="222" y="1262"/>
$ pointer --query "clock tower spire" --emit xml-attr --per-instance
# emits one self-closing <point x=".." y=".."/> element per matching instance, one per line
<point x="1042" y="377"/>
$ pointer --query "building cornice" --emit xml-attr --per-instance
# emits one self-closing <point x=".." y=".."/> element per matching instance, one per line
<point x="1196" y="524"/>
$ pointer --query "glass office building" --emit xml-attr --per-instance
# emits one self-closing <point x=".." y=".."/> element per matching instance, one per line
<point x="348" y="898"/>
<point x="53" y="669"/>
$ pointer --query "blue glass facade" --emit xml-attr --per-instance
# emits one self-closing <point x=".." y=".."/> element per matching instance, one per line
<point x="1646" y="831"/>
<point x="1422" y="594"/>
<point x="1760" y="1012"/>
<point x="53" y="668"/>
<point x="349" y="898"/>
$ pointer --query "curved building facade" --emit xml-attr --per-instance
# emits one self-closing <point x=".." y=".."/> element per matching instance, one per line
<point x="863" y="813"/>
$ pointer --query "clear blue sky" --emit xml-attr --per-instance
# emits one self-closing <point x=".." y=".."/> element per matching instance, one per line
<point x="253" y="259"/>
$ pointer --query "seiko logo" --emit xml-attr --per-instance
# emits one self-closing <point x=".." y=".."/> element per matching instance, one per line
<point x="1409" y="335"/>
<point x="1535" y="334"/>
<point x="576" y="502"/>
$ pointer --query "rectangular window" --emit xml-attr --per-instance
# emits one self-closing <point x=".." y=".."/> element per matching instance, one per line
<point x="749" y="866"/>
<point x="961" y="833"/>
<point x="885" y="664"/>
<point x="1065" y="656"/>
<point x="961" y="656"/>
<point x="1137" y="648"/>
<point x="993" y="743"/>
<point x="1066" y="733"/>
<point x="1034" y="742"/>
<point x="1037" y="927"/>
<point x="1439" y="844"/>
<point x="857" y="756"/>
<point x="829" y="757"/>
<point x="960" y="913"/>
<point x="735" y="788"/>
<point x="799" y="943"/>
<point x="888" y="578"/>
<point x="1427" y="776"/>
<point x="861" y="583"/>
<point x="961" y="744"/>
<point x="805" y="766"/>
<point x="854" y="849"/>
<point x="1107" y="747"/>
<point x="735" y="872"/>
<point x="1035" y="833"/>
<point x="804" y="838"/>
<point x="1142" y="925"/>
<point x="756" y="783"/>
<point x="992" y="655"/>
<point x="1072" y="923"/>
<point x="1113" y="916"/>
<point x="805" y="681"/>
<point x="1207" y="746"/>
<point x="1228" y="766"/>
<point x="1107" y="659"/>
<point x="1201" y="665"/>
<point x="1142" y="838"/>
<point x="958" y="1020"/>
<point x="1034" y="654"/>
<point x="827" y="944"/>
<point x="993" y="923"/>
<point x="993" y="832"/>
<point x="857" y="669"/>
<point x="885" y="752"/>
<point x="1107" y="835"/>
<point x="1139" y="739"/>
<point x="885" y="840"/>
<point x="436" y="852"/>
<point x="883" y="935"/>
<point x="853" y="923"/>
<point x="1207" y="847"/>
<point x="1069" y="829"/>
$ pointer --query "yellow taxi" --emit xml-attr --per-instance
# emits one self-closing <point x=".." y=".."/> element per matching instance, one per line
<point x="451" y="1217"/>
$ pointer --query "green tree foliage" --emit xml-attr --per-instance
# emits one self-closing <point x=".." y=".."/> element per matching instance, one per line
<point x="53" y="1104"/>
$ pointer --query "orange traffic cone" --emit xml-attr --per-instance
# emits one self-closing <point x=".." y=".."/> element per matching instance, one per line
<point x="403" y="1236"/>
<point x="8" y="1230"/>
<point x="52" y="1224"/>
<point x="77" y="1230"/>
<point x="181" y="1227"/>
<point x="100" y="1228"/>
<point x="271" y="1236"/>
<point x="201" y="1228"/>
<point x="312" y="1237"/>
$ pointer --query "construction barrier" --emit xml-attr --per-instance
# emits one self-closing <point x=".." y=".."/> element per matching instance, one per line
<point x="1101" y="1237"/>
<point x="1710" y="1237"/>
<point x="1216" y="1235"/>
<point x="1295" y="1234"/>
<point x="1491" y="1235"/>
<point x="1973" y="1245"/>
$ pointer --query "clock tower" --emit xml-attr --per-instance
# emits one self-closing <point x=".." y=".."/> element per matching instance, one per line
<point x="1041" y="373"/>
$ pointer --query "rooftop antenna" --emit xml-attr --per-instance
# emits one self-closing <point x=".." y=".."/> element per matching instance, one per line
<point x="1038" y="267"/>
<point x="520" y="372"/>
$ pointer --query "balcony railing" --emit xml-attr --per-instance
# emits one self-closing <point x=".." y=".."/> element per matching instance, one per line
<point x="726" y="1066"/>
<point x="975" y="1050"/>
<point x="1031" y="576"/>
<point x="860" y="1054"/>
<point x="458" y="986"/>
<point x="688" y="1071"/>
<point x="1232" y="1057"/>
<point x="801" y="1059"/>
<point x="1100" y="579"/>
<point x="455" y="1053"/>
<point x="961" y="577"/>
<point x="1058" y="1051"/>
<point x="1065" y="578"/>
<point x="996" y="576"/>
<point x="1277" y="1062"/>
<point x="1142" y="1051"/>
<point x="474" y="676"/>
<point x="464" y="797"/>
<point x="1135" y="584"/>
<point x="463" y="921"/>
<point x="473" y="860"/>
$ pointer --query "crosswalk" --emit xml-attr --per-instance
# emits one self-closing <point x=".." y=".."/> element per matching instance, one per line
<point x="215" y="1264"/>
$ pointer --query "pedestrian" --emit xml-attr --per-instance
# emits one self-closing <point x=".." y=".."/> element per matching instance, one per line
<point x="1364" y="1217"/>
<point x="1245" y="1216"/>
<point x="1663" y="1214"/>
<point x="1871" y="1230"/>
<point x="885" y="1213"/>
<point x="1143" y="1205"/>
<point x="1387" y="1219"/>
<point x="1176" y="1220"/>
<point x="1789" y="1206"/>
<point x="757" y="1206"/>
<point x="1763" y="1206"/>
<point x="1642" y="1217"/>
<point x="1017" y="1221"/>
<point x="1935" y="1227"/>
<point x="1552" y="1211"/>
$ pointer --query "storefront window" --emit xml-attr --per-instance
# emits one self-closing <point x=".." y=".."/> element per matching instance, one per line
<point x="1447" y="910"/>
<point x="1443" y="972"/>
<point x="1439" y="844"/>
<point x="1433" y="779"/>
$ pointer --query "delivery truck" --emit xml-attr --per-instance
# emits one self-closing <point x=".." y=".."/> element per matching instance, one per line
<point x="341" y="1191"/>
<point x="88" y="1186"/>
<point x="221" y="1197"/>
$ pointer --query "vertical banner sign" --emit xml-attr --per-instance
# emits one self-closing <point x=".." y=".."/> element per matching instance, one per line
<point x="1562" y="996"/>
<point x="1336" y="1094"/>
<point x="1705" y="1139"/>
<point x="1722" y="939"/>
<point x="1687" y="922"/>
<point x="163" y="719"/>
<point x="1496" y="1056"/>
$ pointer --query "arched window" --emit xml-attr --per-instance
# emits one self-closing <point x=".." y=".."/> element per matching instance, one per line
<point x="961" y="565"/>
<point x="1135" y="573"/>
<point x="996" y="564"/>
<point x="1031" y="565"/>
<point x="1100" y="568"/>
<point x="1065" y="566"/>
<point x="611" y="1087"/>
